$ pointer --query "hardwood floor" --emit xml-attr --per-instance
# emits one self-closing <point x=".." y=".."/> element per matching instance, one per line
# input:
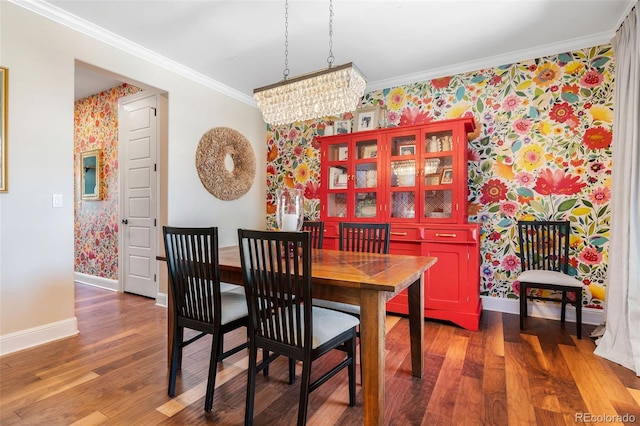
<point x="115" y="373"/>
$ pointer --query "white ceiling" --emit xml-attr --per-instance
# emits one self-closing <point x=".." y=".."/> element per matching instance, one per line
<point x="239" y="45"/>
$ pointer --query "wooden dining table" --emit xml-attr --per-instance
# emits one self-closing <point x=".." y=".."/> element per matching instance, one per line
<point x="368" y="280"/>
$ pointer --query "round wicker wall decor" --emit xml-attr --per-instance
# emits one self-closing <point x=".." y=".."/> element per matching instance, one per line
<point x="213" y="149"/>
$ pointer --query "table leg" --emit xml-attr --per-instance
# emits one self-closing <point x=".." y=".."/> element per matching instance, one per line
<point x="372" y="339"/>
<point x="416" y="325"/>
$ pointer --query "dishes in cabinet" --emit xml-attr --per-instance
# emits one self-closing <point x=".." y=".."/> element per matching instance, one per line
<point x="366" y="208"/>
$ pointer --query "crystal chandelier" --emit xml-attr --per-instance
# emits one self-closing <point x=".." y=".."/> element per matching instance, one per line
<point x="323" y="93"/>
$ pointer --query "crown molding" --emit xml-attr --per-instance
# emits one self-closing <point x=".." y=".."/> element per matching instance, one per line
<point x="89" y="29"/>
<point x="496" y="61"/>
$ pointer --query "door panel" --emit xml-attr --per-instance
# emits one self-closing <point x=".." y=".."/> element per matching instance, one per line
<point x="138" y="132"/>
<point x="447" y="279"/>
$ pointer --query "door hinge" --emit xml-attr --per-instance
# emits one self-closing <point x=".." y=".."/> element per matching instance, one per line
<point x="155" y="222"/>
<point x="154" y="278"/>
<point x="155" y="167"/>
<point x="154" y="111"/>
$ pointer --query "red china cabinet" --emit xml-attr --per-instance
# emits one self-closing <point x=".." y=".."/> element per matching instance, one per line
<point x="414" y="177"/>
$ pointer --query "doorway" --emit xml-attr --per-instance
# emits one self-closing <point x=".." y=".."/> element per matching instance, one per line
<point x="107" y="269"/>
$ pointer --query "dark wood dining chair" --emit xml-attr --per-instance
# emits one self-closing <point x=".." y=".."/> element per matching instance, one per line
<point x="198" y="302"/>
<point x="364" y="237"/>
<point x="544" y="260"/>
<point x="316" y="228"/>
<point x="361" y="237"/>
<point x="276" y="269"/>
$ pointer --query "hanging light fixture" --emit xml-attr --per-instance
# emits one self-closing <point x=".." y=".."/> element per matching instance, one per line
<point x="323" y="93"/>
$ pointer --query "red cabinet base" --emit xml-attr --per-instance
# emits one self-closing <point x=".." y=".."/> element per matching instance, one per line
<point x="451" y="290"/>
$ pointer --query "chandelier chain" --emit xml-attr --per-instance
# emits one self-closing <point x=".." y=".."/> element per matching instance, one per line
<point x="331" y="58"/>
<point x="285" y="72"/>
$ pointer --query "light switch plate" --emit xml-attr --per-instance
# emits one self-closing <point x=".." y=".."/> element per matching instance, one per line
<point x="57" y="200"/>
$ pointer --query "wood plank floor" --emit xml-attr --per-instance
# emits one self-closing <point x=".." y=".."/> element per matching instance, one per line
<point x="115" y="373"/>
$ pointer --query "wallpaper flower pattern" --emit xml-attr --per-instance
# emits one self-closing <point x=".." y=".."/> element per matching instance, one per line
<point x="542" y="150"/>
<point x="96" y="222"/>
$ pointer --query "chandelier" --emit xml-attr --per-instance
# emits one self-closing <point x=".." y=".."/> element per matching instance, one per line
<point x="323" y="93"/>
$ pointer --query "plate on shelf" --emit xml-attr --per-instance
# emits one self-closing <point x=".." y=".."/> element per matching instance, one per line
<point x="366" y="209"/>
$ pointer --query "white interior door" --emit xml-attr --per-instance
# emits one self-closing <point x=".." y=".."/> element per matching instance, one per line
<point x="138" y="197"/>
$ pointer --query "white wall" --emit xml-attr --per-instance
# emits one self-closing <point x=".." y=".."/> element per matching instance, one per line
<point x="36" y="240"/>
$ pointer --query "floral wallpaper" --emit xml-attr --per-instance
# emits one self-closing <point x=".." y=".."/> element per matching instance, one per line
<point x="542" y="150"/>
<point x="96" y="222"/>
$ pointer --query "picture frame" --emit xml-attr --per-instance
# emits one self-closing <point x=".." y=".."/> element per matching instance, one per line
<point x="4" y="85"/>
<point x="90" y="169"/>
<point x="370" y="151"/>
<point x="408" y="149"/>
<point x="337" y="178"/>
<point x="447" y="176"/>
<point x="367" y="118"/>
<point x="341" y="127"/>
<point x="343" y="153"/>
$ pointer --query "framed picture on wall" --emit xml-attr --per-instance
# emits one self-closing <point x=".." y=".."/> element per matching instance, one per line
<point x="3" y="128"/>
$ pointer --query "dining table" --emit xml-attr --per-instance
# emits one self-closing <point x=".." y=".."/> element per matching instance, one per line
<point x="368" y="280"/>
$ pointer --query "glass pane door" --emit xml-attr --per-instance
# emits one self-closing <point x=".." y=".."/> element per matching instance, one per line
<point x="438" y="175"/>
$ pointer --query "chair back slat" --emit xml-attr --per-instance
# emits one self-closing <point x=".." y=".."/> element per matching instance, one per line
<point x="316" y="229"/>
<point x="364" y="237"/>
<point x="277" y="274"/>
<point x="192" y="259"/>
<point x="544" y="245"/>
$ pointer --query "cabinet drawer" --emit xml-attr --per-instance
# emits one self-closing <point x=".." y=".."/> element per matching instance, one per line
<point x="402" y="233"/>
<point x="445" y="235"/>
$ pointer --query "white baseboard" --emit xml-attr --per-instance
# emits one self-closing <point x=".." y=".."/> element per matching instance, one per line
<point x="542" y="310"/>
<point x="161" y="300"/>
<point x="36" y="336"/>
<point x="105" y="283"/>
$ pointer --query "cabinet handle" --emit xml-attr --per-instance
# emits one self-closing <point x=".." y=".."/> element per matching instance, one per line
<point x="446" y="235"/>
<point x="402" y="234"/>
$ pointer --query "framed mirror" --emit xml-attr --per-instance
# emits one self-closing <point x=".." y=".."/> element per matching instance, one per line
<point x="90" y="175"/>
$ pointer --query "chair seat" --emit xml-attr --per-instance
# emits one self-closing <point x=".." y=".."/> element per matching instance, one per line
<point x="230" y="287"/>
<point x="548" y="277"/>
<point x="338" y="306"/>
<point x="328" y="323"/>
<point x="234" y="306"/>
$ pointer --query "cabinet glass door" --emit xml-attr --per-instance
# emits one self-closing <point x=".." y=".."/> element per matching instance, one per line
<point x="337" y="179"/>
<point x="403" y="165"/>
<point x="438" y="174"/>
<point x="353" y="184"/>
<point x="366" y="181"/>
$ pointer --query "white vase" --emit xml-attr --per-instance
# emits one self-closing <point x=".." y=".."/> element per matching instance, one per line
<point x="289" y="209"/>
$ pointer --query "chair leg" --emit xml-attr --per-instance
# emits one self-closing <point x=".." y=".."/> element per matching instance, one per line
<point x="523" y="304"/>
<point x="351" y="353"/>
<point x="251" y="385"/>
<point x="292" y="371"/>
<point x="213" y="369"/>
<point x="265" y="356"/>
<point x="563" y="311"/>
<point x="305" y="379"/>
<point x="175" y="358"/>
